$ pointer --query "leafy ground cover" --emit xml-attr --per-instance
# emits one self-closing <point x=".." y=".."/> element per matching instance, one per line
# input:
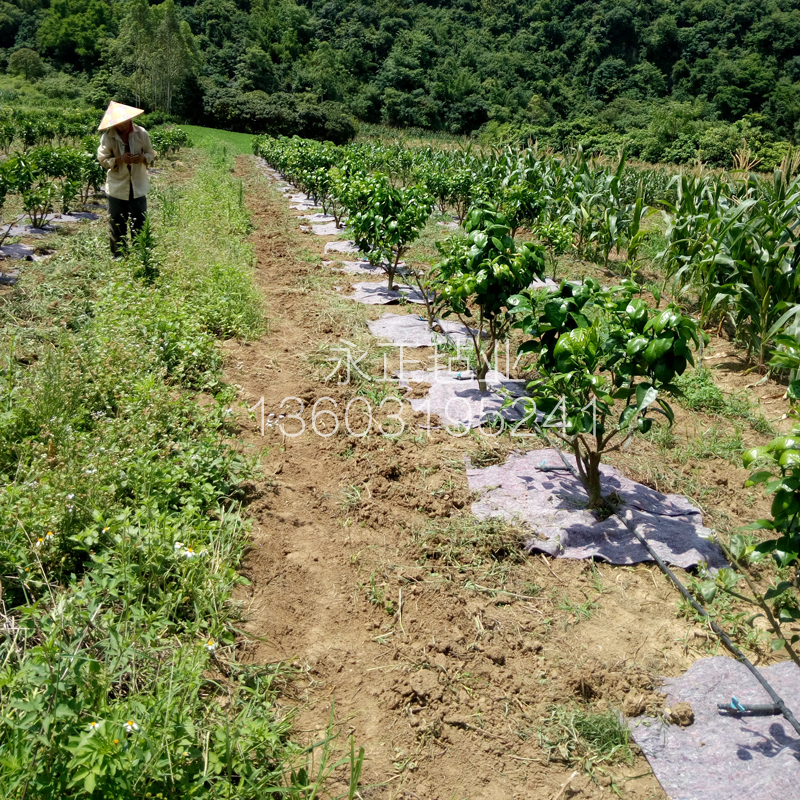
<point x="121" y="532"/>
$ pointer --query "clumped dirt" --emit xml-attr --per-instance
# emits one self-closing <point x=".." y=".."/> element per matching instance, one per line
<point x="439" y="645"/>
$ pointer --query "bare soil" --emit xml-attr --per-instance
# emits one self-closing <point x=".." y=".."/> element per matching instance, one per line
<point x="439" y="646"/>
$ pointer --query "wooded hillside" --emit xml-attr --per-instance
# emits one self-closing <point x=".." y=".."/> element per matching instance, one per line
<point x="677" y="72"/>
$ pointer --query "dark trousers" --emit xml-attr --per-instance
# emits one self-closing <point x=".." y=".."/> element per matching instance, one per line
<point x="121" y="214"/>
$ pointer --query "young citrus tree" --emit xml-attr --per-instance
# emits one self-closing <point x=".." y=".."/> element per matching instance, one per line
<point x="385" y="220"/>
<point x="478" y="275"/>
<point x="604" y="360"/>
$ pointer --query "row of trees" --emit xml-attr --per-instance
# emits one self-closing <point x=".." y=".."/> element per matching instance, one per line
<point x="603" y="362"/>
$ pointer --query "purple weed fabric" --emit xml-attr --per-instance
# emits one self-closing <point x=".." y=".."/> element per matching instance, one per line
<point x="553" y="506"/>
<point x="722" y="757"/>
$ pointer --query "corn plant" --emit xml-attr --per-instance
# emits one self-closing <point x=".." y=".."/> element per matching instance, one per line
<point x="479" y="273"/>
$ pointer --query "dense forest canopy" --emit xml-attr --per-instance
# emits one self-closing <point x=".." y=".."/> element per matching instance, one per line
<point x="686" y="74"/>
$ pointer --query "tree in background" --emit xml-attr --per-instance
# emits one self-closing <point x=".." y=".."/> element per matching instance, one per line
<point x="155" y="53"/>
<point x="26" y="62"/>
<point x="73" y="31"/>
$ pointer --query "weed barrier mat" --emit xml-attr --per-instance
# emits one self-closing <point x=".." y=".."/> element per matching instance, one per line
<point x="355" y="267"/>
<point x="552" y="504"/>
<point x="379" y="294"/>
<point x="719" y="756"/>
<point x="458" y="404"/>
<point x="411" y="331"/>
<point x="341" y="247"/>
<point x="9" y="278"/>
<point x="16" y="251"/>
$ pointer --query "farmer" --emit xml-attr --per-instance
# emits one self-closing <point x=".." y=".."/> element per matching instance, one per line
<point x="125" y="151"/>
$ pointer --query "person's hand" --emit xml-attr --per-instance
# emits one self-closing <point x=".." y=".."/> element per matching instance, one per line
<point x="138" y="159"/>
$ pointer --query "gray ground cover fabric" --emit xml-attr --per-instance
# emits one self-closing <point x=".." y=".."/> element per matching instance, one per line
<point x="341" y="247"/>
<point x="538" y="283"/>
<point x="379" y="294"/>
<point x="362" y="267"/>
<point x="722" y="757"/>
<point x="29" y="230"/>
<point x="9" y="277"/>
<point x="553" y="506"/>
<point x="73" y="216"/>
<point x="411" y="331"/>
<point x="318" y="218"/>
<point x="354" y="267"/>
<point x="458" y="403"/>
<point x="326" y="229"/>
<point x="16" y="251"/>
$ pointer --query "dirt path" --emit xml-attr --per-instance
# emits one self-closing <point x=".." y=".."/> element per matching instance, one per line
<point x="361" y="560"/>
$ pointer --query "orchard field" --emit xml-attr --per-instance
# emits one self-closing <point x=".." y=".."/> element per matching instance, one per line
<point x="233" y="555"/>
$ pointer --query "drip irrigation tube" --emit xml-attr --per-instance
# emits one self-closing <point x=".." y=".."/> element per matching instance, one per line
<point x="778" y="703"/>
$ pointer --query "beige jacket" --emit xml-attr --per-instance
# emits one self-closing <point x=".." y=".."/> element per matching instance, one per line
<point x="120" y="176"/>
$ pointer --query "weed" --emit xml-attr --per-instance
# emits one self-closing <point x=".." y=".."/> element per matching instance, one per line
<point x="466" y="540"/>
<point x="581" y="611"/>
<point x="120" y="532"/>
<point x="350" y="497"/>
<point x="584" y="738"/>
<point x="729" y="614"/>
<point x="700" y="393"/>
<point x="487" y="453"/>
<point x="144" y="254"/>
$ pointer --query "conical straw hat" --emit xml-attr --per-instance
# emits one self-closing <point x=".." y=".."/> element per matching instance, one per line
<point x="116" y="114"/>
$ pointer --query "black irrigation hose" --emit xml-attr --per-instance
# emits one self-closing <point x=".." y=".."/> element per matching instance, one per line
<point x="723" y="637"/>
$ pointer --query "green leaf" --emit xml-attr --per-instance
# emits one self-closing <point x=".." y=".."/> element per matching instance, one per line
<point x="777" y="644"/>
<point x="753" y="454"/>
<point x="777" y="591"/>
<point x="708" y="591"/>
<point x="657" y="348"/>
<point x="89" y="783"/>
<point x="758" y="477"/>
<point x="645" y="395"/>
<point x="636" y="344"/>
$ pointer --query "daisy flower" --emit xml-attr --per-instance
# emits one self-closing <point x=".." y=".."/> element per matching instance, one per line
<point x="130" y="726"/>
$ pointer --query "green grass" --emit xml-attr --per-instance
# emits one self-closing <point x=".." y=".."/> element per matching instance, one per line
<point x="120" y="531"/>
<point x="584" y="738"/>
<point x="700" y="393"/>
<point x="237" y="143"/>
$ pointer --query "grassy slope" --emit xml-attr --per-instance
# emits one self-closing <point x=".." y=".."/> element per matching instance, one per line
<point x="206" y="137"/>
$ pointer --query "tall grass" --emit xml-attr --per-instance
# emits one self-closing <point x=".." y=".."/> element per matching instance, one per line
<point x="119" y="526"/>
